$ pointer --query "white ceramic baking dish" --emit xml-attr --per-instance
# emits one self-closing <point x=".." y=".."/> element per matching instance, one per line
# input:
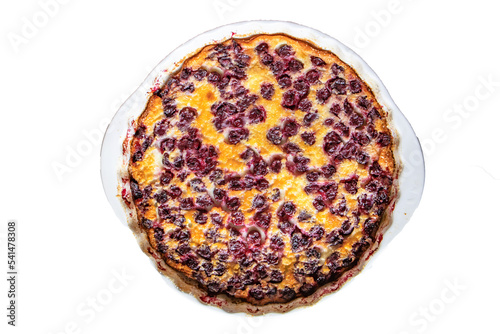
<point x="114" y="162"/>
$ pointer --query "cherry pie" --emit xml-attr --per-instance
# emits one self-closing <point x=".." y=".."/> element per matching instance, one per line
<point x="262" y="173"/>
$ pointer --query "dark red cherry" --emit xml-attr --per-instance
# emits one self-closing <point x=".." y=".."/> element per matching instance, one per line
<point x="219" y="194"/>
<point x="245" y="101"/>
<point x="346" y="228"/>
<point x="290" y="148"/>
<point x="295" y="65"/>
<point x="312" y="176"/>
<point x="335" y="109"/>
<point x="284" y="51"/>
<point x="257" y="115"/>
<point x="276" y="276"/>
<point x="364" y="102"/>
<point x="169" y="109"/>
<point x="302" y="87"/>
<point x="262" y="219"/>
<point x="340" y="209"/>
<point x="329" y="190"/>
<point x="275" y="166"/>
<point x="186" y="203"/>
<point x="337" y="69"/>
<point x="262" y="184"/>
<point x="308" y="137"/>
<point x="237" y="218"/>
<point x="175" y="192"/>
<point x="161" y="128"/>
<point x="253" y="238"/>
<point x="266" y="58"/>
<point x="200" y="74"/>
<point x="312" y="76"/>
<point x="317" y="61"/>
<point x="259" y="167"/>
<point x="382" y="197"/>
<point x="337" y="86"/>
<point x="259" y="201"/>
<point x="187" y="87"/>
<point x="309" y="118"/>
<point x="370" y="225"/>
<point x="342" y="129"/>
<point x="288" y="293"/>
<point x="216" y="219"/>
<point x="200" y="218"/>
<point x="284" y="81"/>
<point x="168" y="144"/>
<point x="304" y="105"/>
<point x="328" y="171"/>
<point x="236" y="184"/>
<point x="233" y="203"/>
<point x="248" y="182"/>
<point x="204" y="202"/>
<point x="262" y="47"/>
<point x="311" y="188"/>
<point x="276" y="243"/>
<point x="349" y="150"/>
<point x="365" y="203"/>
<point x="204" y="252"/>
<point x="277" y="67"/>
<point x="242" y="60"/>
<point x="356" y="120"/>
<point x="257" y="293"/>
<point x="287" y="210"/>
<point x="304" y="216"/>
<point x="237" y="248"/>
<point x="267" y="90"/>
<point x="276" y="195"/>
<point x="247" y="154"/>
<point x="238" y="122"/>
<point x="384" y="139"/>
<point x="140" y="132"/>
<point x="319" y="203"/>
<point x="137" y="156"/>
<point x="135" y="189"/>
<point x="351" y="186"/>
<point x="317" y="232"/>
<point x="290" y="128"/>
<point x="197" y="185"/>
<point x="161" y="197"/>
<point x="361" y="138"/>
<point x="235" y="136"/>
<point x="166" y="177"/>
<point x="214" y="78"/>
<point x="323" y="95"/>
<point x="334" y="238"/>
<point x="348" y="108"/>
<point x="146" y="223"/>
<point x="376" y="169"/>
<point x="290" y="99"/>
<point x="274" y="135"/>
<point x="299" y="164"/>
<point x="355" y="86"/>
<point x="299" y="241"/>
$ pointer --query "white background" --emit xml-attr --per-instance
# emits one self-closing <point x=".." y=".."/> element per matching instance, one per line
<point x="64" y="75"/>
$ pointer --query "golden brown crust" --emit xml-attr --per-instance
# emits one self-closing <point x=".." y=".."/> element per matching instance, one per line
<point x="350" y="208"/>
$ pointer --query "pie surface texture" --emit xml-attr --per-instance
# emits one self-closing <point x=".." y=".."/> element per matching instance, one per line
<point x="263" y="172"/>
